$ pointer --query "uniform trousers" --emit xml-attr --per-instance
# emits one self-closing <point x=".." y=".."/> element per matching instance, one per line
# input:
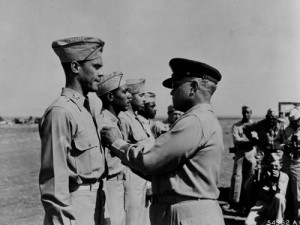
<point x="244" y="165"/>
<point x="267" y="212"/>
<point x="88" y="203"/>
<point x="137" y="209"/>
<point x="194" y="212"/>
<point x="116" y="188"/>
<point x="295" y="187"/>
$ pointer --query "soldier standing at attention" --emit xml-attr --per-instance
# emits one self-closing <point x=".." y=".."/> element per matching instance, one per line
<point x="134" y="133"/>
<point x="115" y="98"/>
<point x="185" y="161"/>
<point x="244" y="163"/>
<point x="72" y="159"/>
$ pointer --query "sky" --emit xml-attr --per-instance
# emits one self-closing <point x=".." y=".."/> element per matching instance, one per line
<point x="254" y="44"/>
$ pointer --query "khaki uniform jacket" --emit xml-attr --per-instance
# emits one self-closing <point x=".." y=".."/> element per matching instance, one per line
<point x="186" y="160"/>
<point x="71" y="154"/>
<point x="107" y="119"/>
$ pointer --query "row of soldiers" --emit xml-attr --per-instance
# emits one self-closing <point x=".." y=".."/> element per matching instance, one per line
<point x="110" y="165"/>
<point x="266" y="177"/>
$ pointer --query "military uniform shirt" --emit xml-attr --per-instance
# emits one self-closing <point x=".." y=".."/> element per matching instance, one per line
<point x="239" y="138"/>
<point x="284" y="137"/>
<point x="71" y="153"/>
<point x="265" y="135"/>
<point x="132" y="129"/>
<point x="184" y="161"/>
<point x="107" y="119"/>
<point x="146" y="124"/>
<point x="158" y="128"/>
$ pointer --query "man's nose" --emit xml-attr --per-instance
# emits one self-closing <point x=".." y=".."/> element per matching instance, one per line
<point x="129" y="96"/>
<point x="100" y="73"/>
<point x="172" y="92"/>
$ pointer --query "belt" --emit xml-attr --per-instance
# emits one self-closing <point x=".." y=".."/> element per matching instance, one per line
<point x="90" y="186"/>
<point x="118" y="176"/>
<point x="170" y="200"/>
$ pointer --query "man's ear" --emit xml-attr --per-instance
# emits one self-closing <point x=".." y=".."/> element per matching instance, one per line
<point x="75" y="67"/>
<point x="194" y="87"/>
<point x="109" y="96"/>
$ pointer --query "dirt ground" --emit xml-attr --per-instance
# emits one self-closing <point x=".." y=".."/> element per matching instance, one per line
<point x="20" y="162"/>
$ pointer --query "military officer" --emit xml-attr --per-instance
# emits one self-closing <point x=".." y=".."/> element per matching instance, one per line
<point x="185" y="161"/>
<point x="72" y="159"/>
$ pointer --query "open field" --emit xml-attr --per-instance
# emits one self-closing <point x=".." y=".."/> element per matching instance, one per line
<point x="20" y="163"/>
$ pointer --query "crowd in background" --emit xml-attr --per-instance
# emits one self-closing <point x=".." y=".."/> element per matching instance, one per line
<point x="266" y="175"/>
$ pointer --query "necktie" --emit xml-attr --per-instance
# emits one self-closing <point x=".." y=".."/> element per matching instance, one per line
<point x="86" y="105"/>
<point x="120" y="127"/>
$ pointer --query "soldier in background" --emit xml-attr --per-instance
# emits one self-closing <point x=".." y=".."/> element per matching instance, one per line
<point x="158" y="128"/>
<point x="72" y="159"/>
<point x="115" y="98"/>
<point x="148" y="113"/>
<point x="244" y="164"/>
<point x="271" y="188"/>
<point x="266" y="130"/>
<point x="288" y="141"/>
<point x="173" y="115"/>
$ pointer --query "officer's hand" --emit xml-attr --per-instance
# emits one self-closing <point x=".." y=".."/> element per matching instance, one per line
<point x="109" y="135"/>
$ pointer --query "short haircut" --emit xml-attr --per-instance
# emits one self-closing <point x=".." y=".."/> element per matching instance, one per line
<point x="207" y="87"/>
<point x="245" y="107"/>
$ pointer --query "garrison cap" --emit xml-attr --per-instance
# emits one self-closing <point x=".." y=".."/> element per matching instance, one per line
<point x="136" y="85"/>
<point x="78" y="48"/>
<point x="150" y="97"/>
<point x="110" y="82"/>
<point x="294" y="114"/>
<point x="188" y="68"/>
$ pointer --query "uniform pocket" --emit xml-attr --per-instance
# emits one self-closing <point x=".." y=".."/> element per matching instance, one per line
<point x="85" y="151"/>
<point x="84" y="142"/>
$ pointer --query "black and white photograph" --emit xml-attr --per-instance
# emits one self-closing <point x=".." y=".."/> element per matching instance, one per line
<point x="162" y="112"/>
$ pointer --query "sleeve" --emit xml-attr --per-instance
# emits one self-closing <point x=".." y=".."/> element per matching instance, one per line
<point x="283" y="183"/>
<point x="236" y="136"/>
<point x="158" y="129"/>
<point x="248" y="129"/>
<point x="279" y="141"/>
<point x="125" y="129"/>
<point x="170" y="150"/>
<point x="54" y="176"/>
